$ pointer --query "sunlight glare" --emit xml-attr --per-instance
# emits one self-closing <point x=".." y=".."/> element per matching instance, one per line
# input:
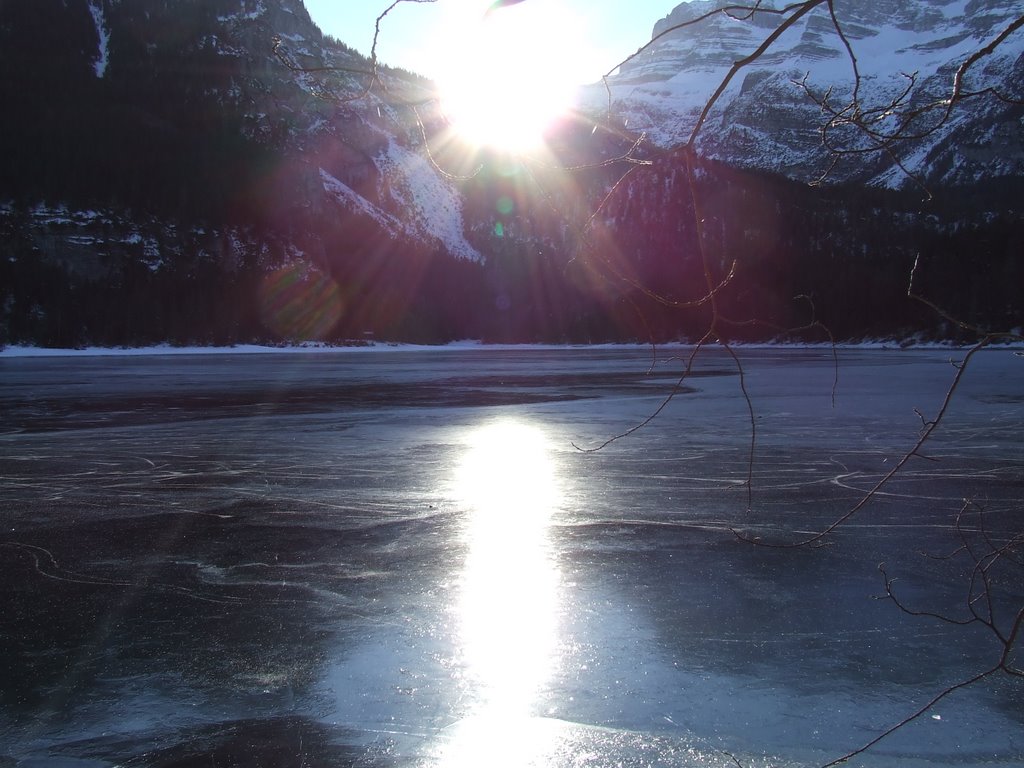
<point x="507" y="612"/>
<point x="505" y="79"/>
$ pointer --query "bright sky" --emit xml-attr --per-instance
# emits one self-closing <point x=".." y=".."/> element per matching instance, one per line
<point x="419" y="36"/>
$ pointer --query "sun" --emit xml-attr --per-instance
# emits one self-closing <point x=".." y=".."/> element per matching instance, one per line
<point x="506" y="77"/>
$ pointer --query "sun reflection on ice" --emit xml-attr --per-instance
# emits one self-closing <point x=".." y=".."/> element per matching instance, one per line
<point x="508" y="605"/>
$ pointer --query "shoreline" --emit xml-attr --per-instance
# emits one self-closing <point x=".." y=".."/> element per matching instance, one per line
<point x="18" y="351"/>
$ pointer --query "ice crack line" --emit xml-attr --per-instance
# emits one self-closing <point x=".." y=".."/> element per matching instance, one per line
<point x="46" y="566"/>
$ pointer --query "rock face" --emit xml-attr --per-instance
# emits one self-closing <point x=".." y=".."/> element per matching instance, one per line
<point x="766" y="119"/>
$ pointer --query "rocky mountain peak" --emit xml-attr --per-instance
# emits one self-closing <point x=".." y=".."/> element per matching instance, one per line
<point x="768" y="118"/>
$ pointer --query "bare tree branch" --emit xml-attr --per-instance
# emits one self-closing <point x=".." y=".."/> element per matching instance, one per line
<point x="799" y="12"/>
<point x="913" y="716"/>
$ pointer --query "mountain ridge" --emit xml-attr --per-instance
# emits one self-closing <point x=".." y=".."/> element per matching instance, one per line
<point x="766" y="120"/>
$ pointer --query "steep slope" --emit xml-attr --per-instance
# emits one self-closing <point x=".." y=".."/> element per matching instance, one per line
<point x="767" y="120"/>
<point x="177" y="107"/>
<point x="175" y="158"/>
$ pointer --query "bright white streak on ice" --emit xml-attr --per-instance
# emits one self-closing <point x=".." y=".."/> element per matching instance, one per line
<point x="507" y="612"/>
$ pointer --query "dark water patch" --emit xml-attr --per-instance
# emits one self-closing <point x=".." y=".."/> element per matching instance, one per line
<point x="589" y="379"/>
<point x="53" y="414"/>
<point x="1001" y="399"/>
<point x="274" y="742"/>
<point x="153" y="400"/>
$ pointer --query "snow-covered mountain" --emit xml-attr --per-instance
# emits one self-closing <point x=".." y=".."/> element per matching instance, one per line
<point x="765" y="118"/>
<point x="404" y="194"/>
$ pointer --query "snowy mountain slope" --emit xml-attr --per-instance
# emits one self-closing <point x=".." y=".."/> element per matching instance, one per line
<point x="368" y="130"/>
<point x="766" y="120"/>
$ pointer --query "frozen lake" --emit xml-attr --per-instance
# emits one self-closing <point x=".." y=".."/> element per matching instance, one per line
<point x="401" y="558"/>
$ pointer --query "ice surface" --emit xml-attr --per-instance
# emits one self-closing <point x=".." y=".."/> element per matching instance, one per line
<point x="341" y="558"/>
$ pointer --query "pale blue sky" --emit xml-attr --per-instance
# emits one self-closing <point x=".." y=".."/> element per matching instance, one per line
<point x="600" y="32"/>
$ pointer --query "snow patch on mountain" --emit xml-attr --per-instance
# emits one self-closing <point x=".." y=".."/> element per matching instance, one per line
<point x="430" y="205"/>
<point x="258" y="10"/>
<point x="348" y="198"/>
<point x="103" y="34"/>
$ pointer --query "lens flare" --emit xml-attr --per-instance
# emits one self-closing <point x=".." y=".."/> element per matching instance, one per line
<point x="299" y="302"/>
